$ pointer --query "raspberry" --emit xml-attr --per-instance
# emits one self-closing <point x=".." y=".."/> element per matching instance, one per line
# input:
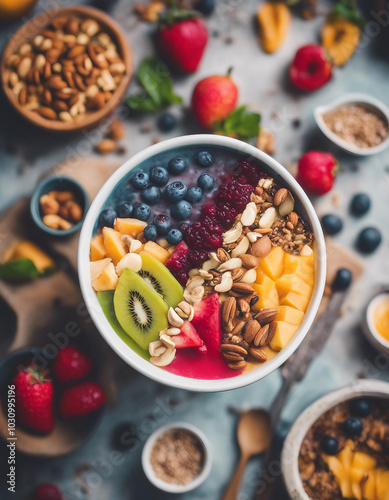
<point x="197" y="257"/>
<point x="250" y="170"/>
<point x="184" y="228"/>
<point x="235" y="194"/>
<point x="215" y="241"/>
<point x="208" y="212"/>
<point x="226" y="215"/>
<point x="178" y="263"/>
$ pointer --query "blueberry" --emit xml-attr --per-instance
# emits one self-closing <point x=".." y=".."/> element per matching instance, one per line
<point x="159" y="176"/>
<point x="194" y="194"/>
<point x="125" y="209"/>
<point x="181" y="210"/>
<point x="368" y="240"/>
<point x="204" y="159"/>
<point x="176" y="191"/>
<point x="107" y="217"/>
<point x="360" y="204"/>
<point x="332" y="224"/>
<point x="329" y="445"/>
<point x="140" y="180"/>
<point x="163" y="224"/>
<point x="142" y="212"/>
<point x="177" y="166"/>
<point x="360" y="407"/>
<point x="166" y="122"/>
<point x="206" y="7"/>
<point x="150" y="232"/>
<point x="342" y="280"/>
<point x="353" y="426"/>
<point x="151" y="195"/>
<point x="206" y="182"/>
<point x="174" y="237"/>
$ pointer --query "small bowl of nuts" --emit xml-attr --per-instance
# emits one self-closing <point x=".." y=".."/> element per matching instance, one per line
<point x="65" y="70"/>
<point x="58" y="206"/>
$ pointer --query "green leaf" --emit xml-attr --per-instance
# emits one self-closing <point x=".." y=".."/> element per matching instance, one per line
<point x="157" y="87"/>
<point x="347" y="9"/>
<point x="242" y="123"/>
<point x="20" y="269"/>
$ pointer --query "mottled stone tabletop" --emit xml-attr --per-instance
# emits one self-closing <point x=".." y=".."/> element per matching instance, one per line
<point x="26" y="154"/>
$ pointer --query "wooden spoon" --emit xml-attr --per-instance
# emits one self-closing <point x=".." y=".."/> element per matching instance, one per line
<point x="254" y="436"/>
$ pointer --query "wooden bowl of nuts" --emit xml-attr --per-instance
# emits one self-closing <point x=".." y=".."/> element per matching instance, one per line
<point x="58" y="206"/>
<point x="67" y="69"/>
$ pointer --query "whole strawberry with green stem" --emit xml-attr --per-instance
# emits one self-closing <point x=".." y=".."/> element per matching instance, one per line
<point x="213" y="99"/>
<point x="34" y="400"/>
<point x="182" y="37"/>
<point x="316" y="172"/>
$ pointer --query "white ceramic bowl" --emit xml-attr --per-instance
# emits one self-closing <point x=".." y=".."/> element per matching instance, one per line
<point x="101" y="322"/>
<point x="368" y="326"/>
<point x="170" y="487"/>
<point x="292" y="444"/>
<point x="364" y="100"/>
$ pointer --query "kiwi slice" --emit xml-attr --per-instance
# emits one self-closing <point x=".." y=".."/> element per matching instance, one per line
<point x="161" y="280"/>
<point x="105" y="299"/>
<point x="141" y="312"/>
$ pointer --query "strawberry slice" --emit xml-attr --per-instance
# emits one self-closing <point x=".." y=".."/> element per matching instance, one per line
<point x="188" y="337"/>
<point x="206" y="321"/>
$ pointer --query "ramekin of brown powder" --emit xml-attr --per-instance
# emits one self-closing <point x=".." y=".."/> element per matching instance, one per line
<point x="358" y="126"/>
<point x="176" y="458"/>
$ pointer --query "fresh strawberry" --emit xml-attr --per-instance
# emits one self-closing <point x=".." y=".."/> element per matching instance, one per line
<point x="182" y="38"/>
<point x="47" y="491"/>
<point x="311" y="68"/>
<point x="188" y="337"/>
<point x="81" y="400"/>
<point x="213" y="99"/>
<point x="34" y="400"/>
<point x="316" y="172"/>
<point x="206" y="320"/>
<point x="71" y="364"/>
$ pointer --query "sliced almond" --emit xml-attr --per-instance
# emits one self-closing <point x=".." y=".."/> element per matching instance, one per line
<point x="241" y="248"/>
<point x="210" y="264"/>
<point x="233" y="234"/>
<point x="249" y="214"/>
<point x="267" y="218"/>
<point x="229" y="265"/>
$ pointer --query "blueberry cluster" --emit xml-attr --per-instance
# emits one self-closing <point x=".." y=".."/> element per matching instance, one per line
<point x="369" y="238"/>
<point x="179" y="197"/>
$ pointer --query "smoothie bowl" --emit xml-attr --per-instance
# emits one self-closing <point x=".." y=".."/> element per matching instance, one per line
<point x="202" y="263"/>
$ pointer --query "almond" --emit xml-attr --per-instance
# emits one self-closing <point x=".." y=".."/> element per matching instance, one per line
<point x="48" y="113"/>
<point x="117" y="130"/>
<point x="242" y="289"/>
<point x="249" y="261"/>
<point x="280" y="196"/>
<point x="251" y="330"/>
<point x="106" y="146"/>
<point x="258" y="354"/>
<point x="76" y="51"/>
<point x="262" y="247"/>
<point x="266" y="316"/>
<point x="293" y="218"/>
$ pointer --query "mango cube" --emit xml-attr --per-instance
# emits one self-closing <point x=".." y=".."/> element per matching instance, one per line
<point x="97" y="249"/>
<point x="131" y="227"/>
<point x="273" y="264"/>
<point x="115" y="248"/>
<point x="284" y="333"/>
<point x="300" y="269"/>
<point x="293" y="299"/>
<point x="382" y="484"/>
<point x="267" y="293"/>
<point x="156" y="251"/>
<point x="290" y="315"/>
<point x="292" y="283"/>
<point x="363" y="461"/>
<point x="107" y="280"/>
<point x="368" y="488"/>
<point x="97" y="267"/>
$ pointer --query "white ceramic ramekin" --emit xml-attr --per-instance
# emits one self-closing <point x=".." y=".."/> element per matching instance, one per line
<point x="362" y="99"/>
<point x="292" y="444"/>
<point x="170" y="487"/>
<point x="368" y="326"/>
<point x="101" y="322"/>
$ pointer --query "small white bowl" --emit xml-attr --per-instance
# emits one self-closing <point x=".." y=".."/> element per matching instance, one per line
<point x="368" y="326"/>
<point x="362" y="99"/>
<point x="171" y="487"/>
<point x="298" y="431"/>
<point x="273" y="168"/>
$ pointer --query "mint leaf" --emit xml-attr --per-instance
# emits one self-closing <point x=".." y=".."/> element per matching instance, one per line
<point x="157" y="87"/>
<point x="20" y="269"/>
<point x="241" y="123"/>
<point x="347" y="9"/>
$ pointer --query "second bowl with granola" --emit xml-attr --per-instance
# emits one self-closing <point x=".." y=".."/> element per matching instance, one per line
<point x="202" y="263"/>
